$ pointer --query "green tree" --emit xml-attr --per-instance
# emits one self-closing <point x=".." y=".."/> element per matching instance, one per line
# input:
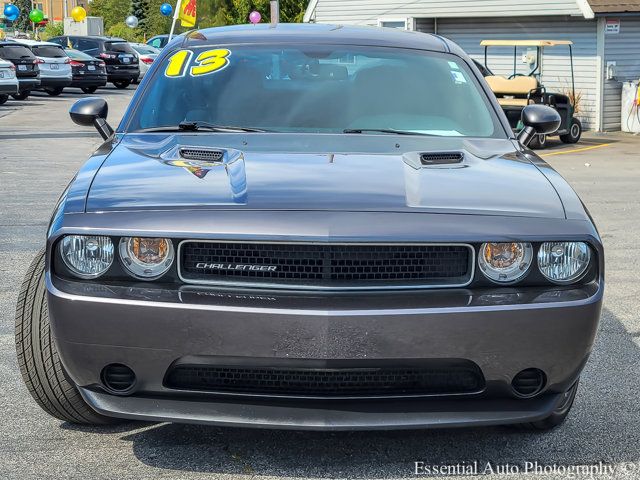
<point x="52" y="29"/>
<point x="23" y="23"/>
<point x="139" y="8"/>
<point x="111" y="11"/>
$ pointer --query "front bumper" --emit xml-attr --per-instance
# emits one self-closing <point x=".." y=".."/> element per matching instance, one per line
<point x="149" y="328"/>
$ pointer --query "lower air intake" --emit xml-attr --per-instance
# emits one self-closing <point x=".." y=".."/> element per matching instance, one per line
<point x="338" y="382"/>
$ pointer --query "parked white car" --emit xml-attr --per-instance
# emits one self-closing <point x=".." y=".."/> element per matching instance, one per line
<point x="8" y="80"/>
<point x="147" y="54"/>
<point x="55" y="65"/>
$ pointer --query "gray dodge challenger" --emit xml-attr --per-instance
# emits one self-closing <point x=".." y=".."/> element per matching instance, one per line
<point x="313" y="227"/>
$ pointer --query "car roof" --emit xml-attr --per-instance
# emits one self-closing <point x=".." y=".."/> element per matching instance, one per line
<point x="317" y="34"/>
<point x="35" y="43"/>
<point x="97" y="37"/>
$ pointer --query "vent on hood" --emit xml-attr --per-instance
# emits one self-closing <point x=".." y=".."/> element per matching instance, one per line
<point x="441" y="158"/>
<point x="203" y="154"/>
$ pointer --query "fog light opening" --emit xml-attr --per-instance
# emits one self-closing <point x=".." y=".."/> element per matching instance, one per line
<point x="118" y="378"/>
<point x="529" y="382"/>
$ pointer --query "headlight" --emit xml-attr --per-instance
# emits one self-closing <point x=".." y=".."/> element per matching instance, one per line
<point x="505" y="262"/>
<point x="563" y="262"/>
<point x="87" y="256"/>
<point x="146" y="258"/>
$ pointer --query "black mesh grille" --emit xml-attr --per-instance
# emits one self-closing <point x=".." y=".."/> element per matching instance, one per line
<point x="443" y="158"/>
<point x="201" y="154"/>
<point x="327" y="382"/>
<point x="341" y="266"/>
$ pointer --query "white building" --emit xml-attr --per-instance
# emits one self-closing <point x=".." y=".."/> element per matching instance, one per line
<point x="605" y="33"/>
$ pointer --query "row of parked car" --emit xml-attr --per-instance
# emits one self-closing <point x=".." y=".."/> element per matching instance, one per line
<point x="85" y="62"/>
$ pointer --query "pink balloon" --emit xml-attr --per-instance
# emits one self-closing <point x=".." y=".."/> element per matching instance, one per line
<point x="255" y="17"/>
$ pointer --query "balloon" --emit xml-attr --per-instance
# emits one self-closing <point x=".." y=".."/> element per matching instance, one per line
<point x="131" y="21"/>
<point x="78" y="14"/>
<point x="166" y="9"/>
<point x="36" y="16"/>
<point x="255" y="17"/>
<point x="11" y="12"/>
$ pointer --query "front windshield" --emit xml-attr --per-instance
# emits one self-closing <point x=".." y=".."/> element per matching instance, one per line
<point x="317" y="89"/>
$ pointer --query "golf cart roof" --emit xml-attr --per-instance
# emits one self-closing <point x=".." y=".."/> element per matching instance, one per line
<point x="524" y="43"/>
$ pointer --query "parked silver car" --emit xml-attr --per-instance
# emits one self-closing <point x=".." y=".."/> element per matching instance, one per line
<point x="55" y="65"/>
<point x="146" y="54"/>
<point x="8" y="80"/>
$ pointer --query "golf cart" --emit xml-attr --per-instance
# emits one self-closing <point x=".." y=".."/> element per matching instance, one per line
<point x="520" y="90"/>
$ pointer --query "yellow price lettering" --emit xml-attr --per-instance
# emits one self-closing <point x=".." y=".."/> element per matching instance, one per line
<point x="211" y="61"/>
<point x="177" y="63"/>
<point x="206" y="62"/>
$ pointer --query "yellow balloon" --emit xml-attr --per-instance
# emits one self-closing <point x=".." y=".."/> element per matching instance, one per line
<point x="78" y="14"/>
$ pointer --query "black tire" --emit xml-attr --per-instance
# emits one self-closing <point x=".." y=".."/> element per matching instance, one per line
<point x="22" y="95"/>
<point x="3" y="99"/>
<point x="54" y="92"/>
<point x="89" y="89"/>
<point x="538" y="142"/>
<point x="558" y="416"/>
<point x="122" y="84"/>
<point x="38" y="358"/>
<point x="575" y="132"/>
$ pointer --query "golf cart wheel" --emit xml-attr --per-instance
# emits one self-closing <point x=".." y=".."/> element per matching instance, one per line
<point x="538" y="142"/>
<point x="54" y="92"/>
<point x="3" y="99"/>
<point x="558" y="416"/>
<point x="122" y="84"/>
<point x="22" y="95"/>
<point x="89" y="89"/>
<point x="575" y="132"/>
<point x="38" y="359"/>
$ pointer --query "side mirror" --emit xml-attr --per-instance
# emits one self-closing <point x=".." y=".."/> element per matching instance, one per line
<point x="92" y="111"/>
<point x="538" y="119"/>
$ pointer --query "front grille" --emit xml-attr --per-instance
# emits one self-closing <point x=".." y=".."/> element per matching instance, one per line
<point x="201" y="154"/>
<point x="339" y="382"/>
<point x="338" y="266"/>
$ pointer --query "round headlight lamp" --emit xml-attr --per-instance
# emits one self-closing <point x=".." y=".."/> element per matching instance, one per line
<point x="505" y="262"/>
<point x="146" y="258"/>
<point x="87" y="256"/>
<point x="563" y="262"/>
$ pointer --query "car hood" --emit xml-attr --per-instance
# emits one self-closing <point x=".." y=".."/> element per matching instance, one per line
<point x="320" y="172"/>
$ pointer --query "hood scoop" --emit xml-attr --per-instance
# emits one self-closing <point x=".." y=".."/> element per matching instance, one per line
<point x="446" y="159"/>
<point x="441" y="158"/>
<point x="201" y="154"/>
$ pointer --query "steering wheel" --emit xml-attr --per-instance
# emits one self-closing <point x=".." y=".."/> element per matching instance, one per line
<point x="518" y="75"/>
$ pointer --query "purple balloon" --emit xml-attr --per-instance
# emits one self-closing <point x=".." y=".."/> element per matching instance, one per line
<point x="255" y="17"/>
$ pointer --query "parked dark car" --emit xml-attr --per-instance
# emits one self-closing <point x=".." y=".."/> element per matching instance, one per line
<point x="26" y="64"/>
<point x="313" y="227"/>
<point x="120" y="59"/>
<point x="89" y="73"/>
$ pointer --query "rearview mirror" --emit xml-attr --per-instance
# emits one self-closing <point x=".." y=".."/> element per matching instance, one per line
<point x="92" y="111"/>
<point x="538" y="119"/>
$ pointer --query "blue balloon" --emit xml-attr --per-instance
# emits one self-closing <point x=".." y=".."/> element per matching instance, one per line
<point x="11" y="12"/>
<point x="166" y="9"/>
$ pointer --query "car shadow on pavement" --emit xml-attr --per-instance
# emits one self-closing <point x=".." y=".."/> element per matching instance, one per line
<point x="604" y="426"/>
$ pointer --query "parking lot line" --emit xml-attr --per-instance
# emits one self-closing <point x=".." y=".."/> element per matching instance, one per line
<point x="576" y="150"/>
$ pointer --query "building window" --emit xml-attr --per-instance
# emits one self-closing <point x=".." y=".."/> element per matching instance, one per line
<point x="395" y="22"/>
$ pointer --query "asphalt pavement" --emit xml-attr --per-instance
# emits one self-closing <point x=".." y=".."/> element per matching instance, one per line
<point x="40" y="150"/>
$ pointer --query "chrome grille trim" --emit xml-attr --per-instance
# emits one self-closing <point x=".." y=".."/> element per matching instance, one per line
<point x="283" y="286"/>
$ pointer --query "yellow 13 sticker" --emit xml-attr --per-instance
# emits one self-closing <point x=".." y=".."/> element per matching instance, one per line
<point x="206" y="62"/>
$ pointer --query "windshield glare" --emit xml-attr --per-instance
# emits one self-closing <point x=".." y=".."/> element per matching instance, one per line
<point x="319" y="89"/>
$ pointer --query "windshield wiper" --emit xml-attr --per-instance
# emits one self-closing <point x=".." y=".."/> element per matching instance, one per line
<point x="195" y="126"/>
<point x="386" y="130"/>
